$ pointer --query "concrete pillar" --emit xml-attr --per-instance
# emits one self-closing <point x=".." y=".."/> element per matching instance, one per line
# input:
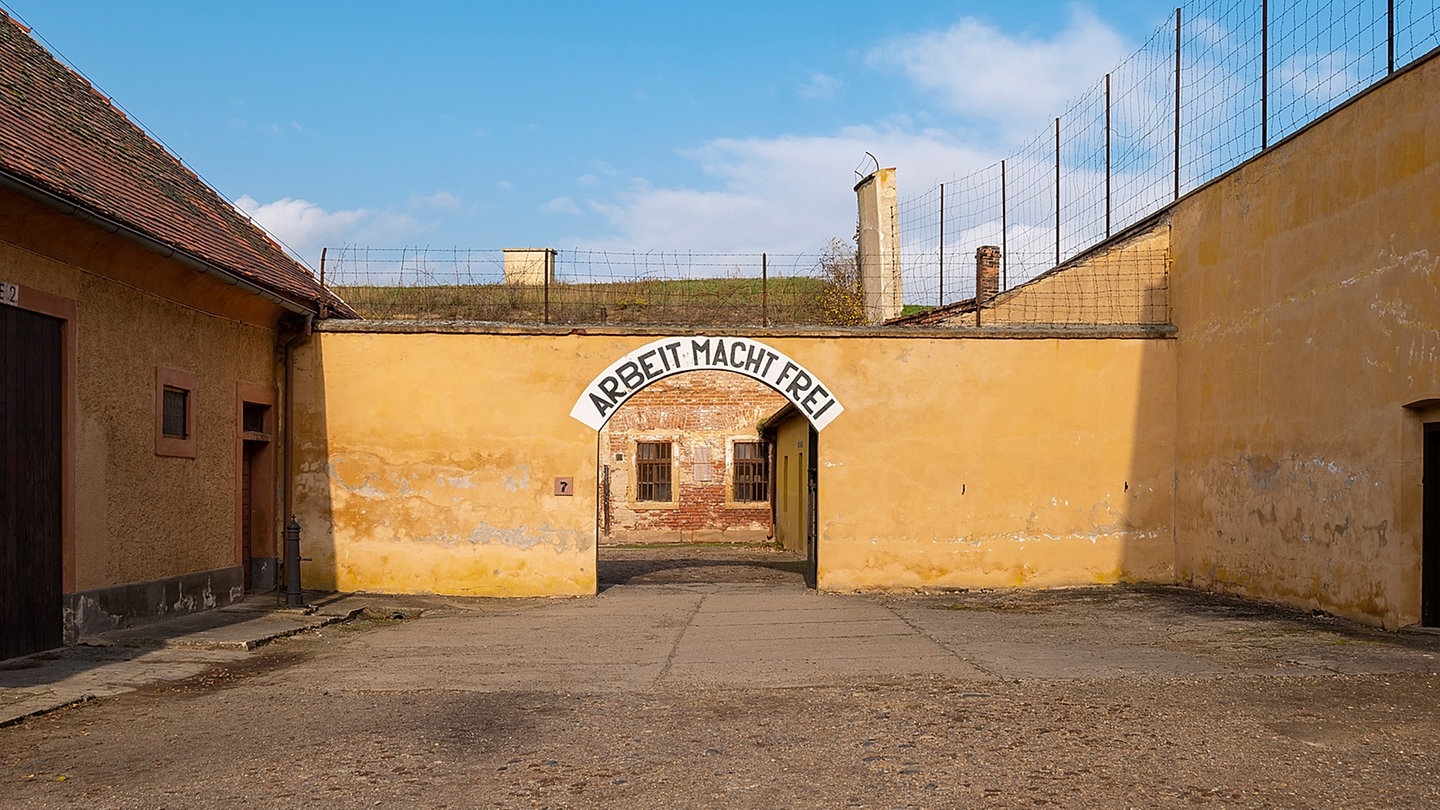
<point x="530" y="266"/>
<point x="881" y="289"/>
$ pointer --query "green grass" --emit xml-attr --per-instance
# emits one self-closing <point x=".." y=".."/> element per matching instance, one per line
<point x="747" y="301"/>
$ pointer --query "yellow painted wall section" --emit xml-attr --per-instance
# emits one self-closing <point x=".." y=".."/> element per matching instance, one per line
<point x="995" y="463"/>
<point x="1306" y="291"/>
<point x="426" y="461"/>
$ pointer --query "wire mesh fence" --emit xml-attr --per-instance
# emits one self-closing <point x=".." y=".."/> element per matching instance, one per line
<point x="1128" y="287"/>
<point x="1212" y="86"/>
<point x="539" y="286"/>
<point x="1215" y="84"/>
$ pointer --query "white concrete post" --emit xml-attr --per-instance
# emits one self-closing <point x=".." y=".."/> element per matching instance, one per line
<point x="882" y="291"/>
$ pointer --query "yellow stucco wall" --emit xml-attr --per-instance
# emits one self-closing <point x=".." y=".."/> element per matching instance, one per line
<point x="139" y="516"/>
<point x="1306" y="292"/>
<point x="426" y="461"/>
<point x="976" y="463"/>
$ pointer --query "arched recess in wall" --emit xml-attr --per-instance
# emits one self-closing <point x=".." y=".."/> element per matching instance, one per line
<point x="667" y="357"/>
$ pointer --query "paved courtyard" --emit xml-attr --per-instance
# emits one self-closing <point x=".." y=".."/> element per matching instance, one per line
<point x="713" y="678"/>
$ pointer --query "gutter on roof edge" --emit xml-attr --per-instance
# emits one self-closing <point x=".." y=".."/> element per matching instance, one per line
<point x="36" y="192"/>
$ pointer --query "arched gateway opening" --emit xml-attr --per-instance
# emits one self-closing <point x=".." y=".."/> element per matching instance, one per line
<point x="706" y="461"/>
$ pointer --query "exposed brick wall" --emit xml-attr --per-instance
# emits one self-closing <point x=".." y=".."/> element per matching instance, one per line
<point x="695" y="411"/>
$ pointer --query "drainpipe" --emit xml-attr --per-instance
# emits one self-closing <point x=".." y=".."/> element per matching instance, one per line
<point x="288" y="346"/>
<point x="290" y="556"/>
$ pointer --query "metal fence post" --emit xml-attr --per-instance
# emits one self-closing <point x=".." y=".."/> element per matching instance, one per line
<point x="1004" y="231"/>
<point x="1264" y="74"/>
<point x="1177" y="104"/>
<point x="942" y="244"/>
<point x="1057" y="192"/>
<point x="764" y="289"/>
<point x="1107" y="155"/>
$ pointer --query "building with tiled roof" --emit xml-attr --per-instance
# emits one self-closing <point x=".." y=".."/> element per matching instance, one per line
<point x="148" y="327"/>
<point x="63" y="143"/>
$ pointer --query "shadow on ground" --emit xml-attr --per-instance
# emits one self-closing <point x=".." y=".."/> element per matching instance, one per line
<point x="637" y="565"/>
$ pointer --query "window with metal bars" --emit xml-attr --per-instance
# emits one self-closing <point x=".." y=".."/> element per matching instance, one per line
<point x="175" y="423"/>
<point x="751" y="472"/>
<point x="652" y="471"/>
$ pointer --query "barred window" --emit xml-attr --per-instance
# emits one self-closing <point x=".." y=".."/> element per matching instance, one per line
<point x="652" y="471"/>
<point x="174" y="419"/>
<point x="174" y="412"/>
<point x="751" y="472"/>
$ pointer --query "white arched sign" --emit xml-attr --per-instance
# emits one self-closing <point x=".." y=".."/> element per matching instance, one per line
<point x="670" y="356"/>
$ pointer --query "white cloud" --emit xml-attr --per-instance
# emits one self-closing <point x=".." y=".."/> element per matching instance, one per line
<point x="781" y="195"/>
<point x="819" y="86"/>
<point x="442" y="200"/>
<point x="560" y="205"/>
<point x="982" y="72"/>
<point x="305" y="228"/>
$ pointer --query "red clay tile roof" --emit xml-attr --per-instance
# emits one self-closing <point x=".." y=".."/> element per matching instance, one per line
<point x="57" y="132"/>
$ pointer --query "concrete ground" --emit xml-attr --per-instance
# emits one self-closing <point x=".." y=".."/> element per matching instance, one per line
<point x="707" y="677"/>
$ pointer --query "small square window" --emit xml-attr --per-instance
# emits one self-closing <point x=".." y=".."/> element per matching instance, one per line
<point x="174" y="413"/>
<point x="252" y="417"/>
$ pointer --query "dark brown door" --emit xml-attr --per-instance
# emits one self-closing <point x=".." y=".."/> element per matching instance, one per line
<point x="31" y="586"/>
<point x="812" y="511"/>
<point x="247" y="509"/>
<point x="1430" y="547"/>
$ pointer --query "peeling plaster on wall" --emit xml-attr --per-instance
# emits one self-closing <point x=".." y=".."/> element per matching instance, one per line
<point x="1309" y="529"/>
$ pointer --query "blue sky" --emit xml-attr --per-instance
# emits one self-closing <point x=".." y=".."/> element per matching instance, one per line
<point x="703" y="127"/>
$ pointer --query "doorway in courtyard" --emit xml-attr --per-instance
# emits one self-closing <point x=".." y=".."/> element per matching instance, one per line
<point x="700" y="481"/>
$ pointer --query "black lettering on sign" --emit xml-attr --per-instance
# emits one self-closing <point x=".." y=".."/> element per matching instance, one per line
<point x="700" y="352"/>
<point x="737" y="361"/>
<point x="770" y="358"/>
<point x="674" y="349"/>
<point x="798" y="386"/>
<point x="812" y="398"/>
<point x="630" y="375"/>
<point x="601" y="405"/>
<point x="785" y="372"/>
<point x="718" y="358"/>
<point x="611" y="388"/>
<point x="651" y="372"/>
<point x="826" y="407"/>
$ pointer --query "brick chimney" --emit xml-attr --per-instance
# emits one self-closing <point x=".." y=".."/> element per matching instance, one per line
<point x="987" y="274"/>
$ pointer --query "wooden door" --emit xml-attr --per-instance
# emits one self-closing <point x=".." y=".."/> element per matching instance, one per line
<point x="31" y="402"/>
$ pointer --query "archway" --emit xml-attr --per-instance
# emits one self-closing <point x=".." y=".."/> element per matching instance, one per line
<point x="687" y="454"/>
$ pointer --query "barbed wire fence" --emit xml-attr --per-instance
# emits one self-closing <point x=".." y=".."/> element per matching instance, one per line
<point x="541" y="286"/>
<point x="1219" y="82"/>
